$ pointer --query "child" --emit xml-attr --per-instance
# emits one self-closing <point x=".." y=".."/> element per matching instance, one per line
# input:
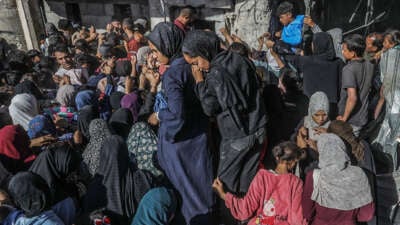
<point x="356" y="82"/>
<point x="274" y="196"/>
<point x="293" y="25"/>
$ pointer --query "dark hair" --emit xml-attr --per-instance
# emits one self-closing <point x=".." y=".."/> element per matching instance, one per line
<point x="355" y="43"/>
<point x="286" y="151"/>
<point x="82" y="45"/>
<point x="290" y="79"/>
<point x="394" y="36"/>
<point x="239" y="48"/>
<point x="377" y="40"/>
<point x="285" y="7"/>
<point x="187" y="10"/>
<point x="64" y="24"/>
<point x="61" y="48"/>
<point x="128" y="23"/>
<point x="32" y="53"/>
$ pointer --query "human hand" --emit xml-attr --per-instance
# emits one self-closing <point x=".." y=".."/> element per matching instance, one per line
<point x="43" y="140"/>
<point x="78" y="137"/>
<point x="320" y="130"/>
<point x="267" y="35"/>
<point x="341" y="118"/>
<point x="260" y="40"/>
<point x="269" y="43"/>
<point x="236" y="38"/>
<point x="218" y="187"/>
<point x="153" y="119"/>
<point x="312" y="144"/>
<point x="57" y="79"/>
<point x="301" y="139"/>
<point x="223" y="31"/>
<point x="197" y="74"/>
<point x="308" y="21"/>
<point x="65" y="80"/>
<point x="153" y="78"/>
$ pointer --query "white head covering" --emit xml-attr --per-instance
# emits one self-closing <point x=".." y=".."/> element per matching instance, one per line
<point x="318" y="102"/>
<point x="337" y="184"/>
<point x="22" y="109"/>
<point x="66" y="95"/>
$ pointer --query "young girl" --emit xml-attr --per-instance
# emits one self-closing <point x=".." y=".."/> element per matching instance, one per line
<point x="274" y="196"/>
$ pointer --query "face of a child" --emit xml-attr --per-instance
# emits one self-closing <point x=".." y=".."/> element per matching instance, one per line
<point x="347" y="54"/>
<point x="320" y="117"/>
<point x="286" y="18"/>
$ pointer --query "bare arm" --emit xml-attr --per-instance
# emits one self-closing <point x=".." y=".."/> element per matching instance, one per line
<point x="350" y="103"/>
<point x="379" y="106"/>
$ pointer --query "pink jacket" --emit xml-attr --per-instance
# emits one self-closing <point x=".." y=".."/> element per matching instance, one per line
<point x="272" y="199"/>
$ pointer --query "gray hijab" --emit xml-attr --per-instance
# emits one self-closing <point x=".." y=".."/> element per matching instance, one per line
<point x="318" y="101"/>
<point x="66" y="95"/>
<point x="337" y="184"/>
<point x="98" y="131"/>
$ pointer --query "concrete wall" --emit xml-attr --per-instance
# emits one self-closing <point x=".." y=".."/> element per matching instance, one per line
<point x="248" y="18"/>
<point x="251" y="20"/>
<point x="10" y="25"/>
<point x="97" y="13"/>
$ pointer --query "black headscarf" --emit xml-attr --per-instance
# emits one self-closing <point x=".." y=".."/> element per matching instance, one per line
<point x="168" y="39"/>
<point x="321" y="71"/>
<point x="85" y="116"/>
<point x="121" y="122"/>
<point x="31" y="193"/>
<point x="28" y="87"/>
<point x="323" y="46"/>
<point x="118" y="184"/>
<point x="55" y="165"/>
<point x="201" y="43"/>
<point x="115" y="99"/>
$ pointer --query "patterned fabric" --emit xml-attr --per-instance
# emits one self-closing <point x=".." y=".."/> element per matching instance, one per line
<point x="67" y="113"/>
<point x="142" y="146"/>
<point x="98" y="131"/>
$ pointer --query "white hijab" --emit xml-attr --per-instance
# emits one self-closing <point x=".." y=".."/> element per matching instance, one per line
<point x="22" y="109"/>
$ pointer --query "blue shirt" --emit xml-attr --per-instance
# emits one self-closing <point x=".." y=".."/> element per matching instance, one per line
<point x="293" y="32"/>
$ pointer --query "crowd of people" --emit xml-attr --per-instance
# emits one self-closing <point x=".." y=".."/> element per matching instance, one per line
<point x="182" y="126"/>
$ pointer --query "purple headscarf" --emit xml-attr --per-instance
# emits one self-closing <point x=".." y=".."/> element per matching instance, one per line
<point x="131" y="102"/>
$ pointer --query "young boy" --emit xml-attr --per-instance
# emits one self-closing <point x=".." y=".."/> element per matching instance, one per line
<point x="356" y="82"/>
<point x="293" y="25"/>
